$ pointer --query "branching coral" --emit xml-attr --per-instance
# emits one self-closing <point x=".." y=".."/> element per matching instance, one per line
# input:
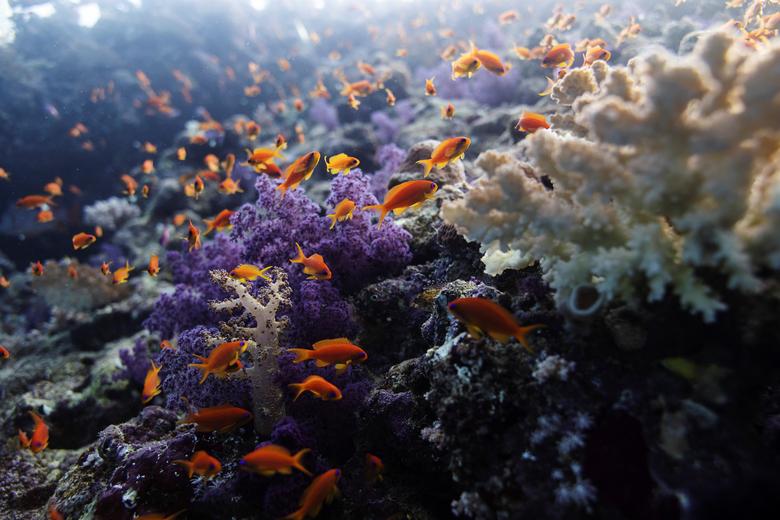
<point x="111" y="212"/>
<point x="675" y="177"/>
<point x="259" y="321"/>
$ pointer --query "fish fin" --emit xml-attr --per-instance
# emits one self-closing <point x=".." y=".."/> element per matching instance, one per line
<point x="320" y="363"/>
<point x="522" y="332"/>
<point x="204" y="370"/>
<point x="341" y="368"/>
<point x="301" y="354"/>
<point x="301" y="257"/>
<point x="398" y="211"/>
<point x="199" y="357"/>
<point x="501" y="338"/>
<point x="428" y="164"/>
<point x="333" y="219"/>
<point x="297" y="461"/>
<point x="327" y="342"/>
<point x="379" y="208"/>
<point x="186" y="465"/>
<point x="209" y="226"/>
<point x="285" y="471"/>
<point x="474" y="331"/>
<point x="298" y="388"/>
<point x="24" y="440"/>
<point x="268" y="472"/>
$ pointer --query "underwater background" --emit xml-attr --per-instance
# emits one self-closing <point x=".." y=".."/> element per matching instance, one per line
<point x="389" y="260"/>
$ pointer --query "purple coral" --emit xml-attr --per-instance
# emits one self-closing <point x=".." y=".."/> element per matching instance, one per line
<point x="324" y="113"/>
<point x="390" y="157"/>
<point x="135" y="363"/>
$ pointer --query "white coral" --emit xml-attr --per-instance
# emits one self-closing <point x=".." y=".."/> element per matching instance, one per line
<point x="259" y="322"/>
<point x="110" y="213"/>
<point x="678" y="172"/>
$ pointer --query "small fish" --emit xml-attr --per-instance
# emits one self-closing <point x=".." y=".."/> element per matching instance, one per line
<point x="193" y="237"/>
<point x="281" y="142"/>
<point x="222" y="360"/>
<point x="358" y="88"/>
<point x="83" y="240"/>
<point x="149" y="148"/>
<point x="105" y="269"/>
<point x="179" y="219"/>
<point x="201" y="464"/>
<point x="230" y="186"/>
<point x="596" y="53"/>
<point x="365" y="68"/>
<point x="147" y="167"/>
<point x="314" y="265"/>
<point x="223" y="418"/>
<point x="131" y="185"/>
<point x="524" y="53"/>
<point x="4" y="175"/>
<point x="390" y="97"/>
<point x="37" y="268"/>
<point x="374" y="468"/>
<point x="559" y="56"/>
<point x="299" y="171"/>
<point x="212" y="162"/>
<point x="448" y="151"/>
<point x="181" y="153"/>
<point x="482" y="316"/>
<point x="322" y="490"/>
<point x="252" y="130"/>
<point x="409" y="194"/>
<point x="271" y="459"/>
<point x="353" y="102"/>
<point x="45" y="215"/>
<point x="531" y="122"/>
<point x="78" y="130"/>
<point x="166" y="345"/>
<point x="39" y="439"/>
<point x="260" y="156"/>
<point x="145" y="191"/>
<point x="448" y="53"/>
<point x="220" y="223"/>
<point x="508" y="17"/>
<point x="197" y="186"/>
<point x="122" y="274"/>
<point x="466" y="65"/>
<point x="73" y="273"/>
<point x="340" y="352"/>
<point x="53" y="513"/>
<point x="343" y="211"/>
<point x="490" y="61"/>
<point x="4" y="353"/>
<point x="341" y="163"/>
<point x="252" y="90"/>
<point x="298" y="104"/>
<point x="319" y="387"/>
<point x="4" y="282"/>
<point x="248" y="272"/>
<point x="98" y="231"/>
<point x="151" y="384"/>
<point x="34" y="201"/>
<point x="284" y="65"/>
<point x="154" y="266"/>
<point x="430" y="88"/>
<point x="271" y="169"/>
<point x="54" y="188"/>
<point x="447" y="112"/>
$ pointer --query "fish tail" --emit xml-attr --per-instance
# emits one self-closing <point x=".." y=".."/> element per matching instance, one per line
<point x="189" y="466"/>
<point x="298" y="388"/>
<point x="283" y="188"/>
<point x="204" y="370"/>
<point x="521" y="332"/>
<point x="263" y="271"/>
<point x="427" y="164"/>
<point x="301" y="354"/>
<point x="297" y="461"/>
<point x="379" y="208"/>
<point x="24" y="440"/>
<point x="301" y="257"/>
<point x="210" y="226"/>
<point x="332" y="217"/>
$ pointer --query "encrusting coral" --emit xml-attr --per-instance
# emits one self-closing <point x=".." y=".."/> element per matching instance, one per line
<point x="672" y="178"/>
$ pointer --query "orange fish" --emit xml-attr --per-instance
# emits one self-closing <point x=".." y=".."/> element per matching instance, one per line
<point x="390" y="97"/>
<point x="447" y="112"/>
<point x="491" y="62"/>
<point x="230" y="187"/>
<point x="314" y="265"/>
<point x="248" y="272"/>
<point x="4" y="353"/>
<point x="374" y="468"/>
<point x="524" y="53"/>
<point x="482" y="316"/>
<point x="252" y="90"/>
<point x="149" y="147"/>
<point x="122" y="274"/>
<point x="147" y="166"/>
<point x="222" y="360"/>
<point x="105" y="269"/>
<point x="151" y="384"/>
<point x="449" y="150"/>
<point x="531" y="122"/>
<point x="223" y="418"/>
<point x="159" y="516"/>
<point x="201" y="464"/>
<point x="298" y="104"/>
<point x="193" y="237"/>
<point x="337" y="351"/>
<point x="341" y="163"/>
<point x="281" y="142"/>
<point x="166" y="345"/>
<point x="4" y="282"/>
<point x="37" y="268"/>
<point x="284" y="65"/>
<point x="271" y="169"/>
<point x="508" y="17"/>
<point x="98" y="231"/>
<point x="40" y="435"/>
<point x="409" y="194"/>
<point x="181" y="153"/>
<point x="4" y="175"/>
<point x="197" y="187"/>
<point x="145" y="191"/>
<point x="358" y="88"/>
<point x="154" y="266"/>
<point x="559" y="56"/>
<point x="131" y="185"/>
<point x="179" y="219"/>
<point x="221" y="222"/>
<point x="45" y="215"/>
<point x="466" y="65"/>
<point x="448" y="53"/>
<point x="322" y="490"/>
<point x="365" y="68"/>
<point x="271" y="459"/>
<point x="319" y="387"/>
<point x="54" y="514"/>
<point x="54" y="188"/>
<point x="596" y="53"/>
<point x="73" y="273"/>
<point x="260" y="156"/>
<point x="299" y="171"/>
<point x="353" y="102"/>
<point x="34" y="201"/>
<point x="212" y="162"/>
<point x="343" y="211"/>
<point x="252" y="130"/>
<point x="78" y="130"/>
<point x="430" y="88"/>
<point x="83" y="240"/>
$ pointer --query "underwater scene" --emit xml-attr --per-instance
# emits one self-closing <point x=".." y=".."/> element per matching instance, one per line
<point x="389" y="260"/>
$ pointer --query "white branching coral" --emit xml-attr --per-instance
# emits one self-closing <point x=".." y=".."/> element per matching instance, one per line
<point x="259" y="323"/>
<point x="677" y="174"/>
<point x="111" y="212"/>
